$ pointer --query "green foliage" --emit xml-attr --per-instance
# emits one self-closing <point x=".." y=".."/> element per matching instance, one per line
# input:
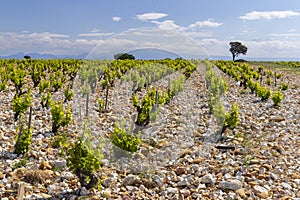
<point x="80" y="159"/>
<point x="20" y="104"/>
<point x="232" y="118"/>
<point x="57" y="83"/>
<point x="124" y="140"/>
<point x="135" y="101"/>
<point x="237" y="48"/>
<point x="83" y="163"/>
<point x="17" y="76"/>
<point x="123" y="56"/>
<point x="269" y="81"/>
<point x="46" y="100"/>
<point x="277" y="98"/>
<point x="60" y="116"/>
<point x="43" y="85"/>
<point x="101" y="105"/>
<point x="104" y="83"/>
<point x="58" y="141"/>
<point x="285" y="86"/>
<point x="68" y="94"/>
<point x="263" y="93"/>
<point x="189" y="70"/>
<point x="23" y="142"/>
<point x="177" y="86"/>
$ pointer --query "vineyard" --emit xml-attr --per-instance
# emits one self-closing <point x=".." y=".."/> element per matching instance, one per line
<point x="149" y="129"/>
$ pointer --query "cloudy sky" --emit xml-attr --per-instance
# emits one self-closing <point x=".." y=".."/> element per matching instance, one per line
<point x="269" y="28"/>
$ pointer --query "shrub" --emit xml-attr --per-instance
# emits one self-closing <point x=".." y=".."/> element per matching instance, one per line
<point x="24" y="141"/>
<point x="277" y="98"/>
<point x="101" y="105"/>
<point x="20" y="104"/>
<point x="263" y="93"/>
<point x="232" y="118"/>
<point x="124" y="140"/>
<point x="60" y="117"/>
<point x="83" y="163"/>
<point x="285" y="86"/>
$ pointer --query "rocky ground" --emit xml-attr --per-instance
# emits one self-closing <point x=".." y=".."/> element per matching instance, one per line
<point x="180" y="157"/>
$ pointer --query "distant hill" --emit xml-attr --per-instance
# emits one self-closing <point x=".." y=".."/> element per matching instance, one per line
<point x="144" y="54"/>
<point x="153" y="54"/>
<point x="21" y="55"/>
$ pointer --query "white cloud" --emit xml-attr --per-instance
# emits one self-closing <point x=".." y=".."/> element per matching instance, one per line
<point x="268" y="15"/>
<point x="94" y="34"/>
<point x="206" y="23"/>
<point x="167" y="25"/>
<point x="151" y="16"/>
<point x="285" y="35"/>
<point x="116" y="18"/>
<point x="45" y="42"/>
<point x="172" y="26"/>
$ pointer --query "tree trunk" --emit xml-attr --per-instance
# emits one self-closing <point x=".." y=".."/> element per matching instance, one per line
<point x="233" y="57"/>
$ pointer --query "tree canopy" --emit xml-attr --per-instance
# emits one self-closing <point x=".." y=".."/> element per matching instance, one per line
<point x="123" y="56"/>
<point x="237" y="48"/>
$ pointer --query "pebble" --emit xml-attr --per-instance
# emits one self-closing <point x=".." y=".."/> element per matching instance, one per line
<point x="241" y="193"/>
<point x="261" y="191"/>
<point x="208" y="179"/>
<point x="230" y="185"/>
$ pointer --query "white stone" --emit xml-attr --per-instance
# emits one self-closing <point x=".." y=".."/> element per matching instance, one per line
<point x="230" y="185"/>
<point x="260" y="189"/>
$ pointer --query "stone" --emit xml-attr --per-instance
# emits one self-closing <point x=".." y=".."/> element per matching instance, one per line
<point x="182" y="183"/>
<point x="230" y="185"/>
<point x="129" y="180"/>
<point x="60" y="163"/>
<point x="208" y="179"/>
<point x="172" y="190"/>
<point x="261" y="191"/>
<point x="241" y="193"/>
<point x="84" y="191"/>
<point x="157" y="180"/>
<point x="108" y="182"/>
<point x="45" y="165"/>
<point x="254" y="161"/>
<point x="106" y="193"/>
<point x="286" y="186"/>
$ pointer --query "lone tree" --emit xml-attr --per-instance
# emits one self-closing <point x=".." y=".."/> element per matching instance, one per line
<point x="237" y="48"/>
<point x="27" y="57"/>
<point x="123" y="56"/>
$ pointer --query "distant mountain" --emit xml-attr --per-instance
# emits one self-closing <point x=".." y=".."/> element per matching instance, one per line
<point x="144" y="54"/>
<point x="21" y="55"/>
<point x="152" y="54"/>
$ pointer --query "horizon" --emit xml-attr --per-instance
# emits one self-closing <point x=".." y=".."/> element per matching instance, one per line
<point x="269" y="29"/>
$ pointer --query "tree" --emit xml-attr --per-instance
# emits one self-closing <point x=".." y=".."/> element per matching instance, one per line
<point x="237" y="48"/>
<point x="123" y="56"/>
<point x="27" y="57"/>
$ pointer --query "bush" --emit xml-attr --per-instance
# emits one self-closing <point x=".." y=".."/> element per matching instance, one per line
<point x="60" y="117"/>
<point x="232" y="118"/>
<point x="277" y="98"/>
<point x="263" y="93"/>
<point x="24" y="141"/>
<point x="20" y="104"/>
<point x="83" y="163"/>
<point x="285" y="86"/>
<point x="124" y="140"/>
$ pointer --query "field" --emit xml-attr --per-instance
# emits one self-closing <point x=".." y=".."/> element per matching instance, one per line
<point x="157" y="129"/>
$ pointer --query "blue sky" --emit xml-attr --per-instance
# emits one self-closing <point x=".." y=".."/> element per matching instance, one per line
<point x="269" y="28"/>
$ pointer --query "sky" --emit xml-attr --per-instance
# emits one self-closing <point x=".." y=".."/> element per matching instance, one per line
<point x="269" y="28"/>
